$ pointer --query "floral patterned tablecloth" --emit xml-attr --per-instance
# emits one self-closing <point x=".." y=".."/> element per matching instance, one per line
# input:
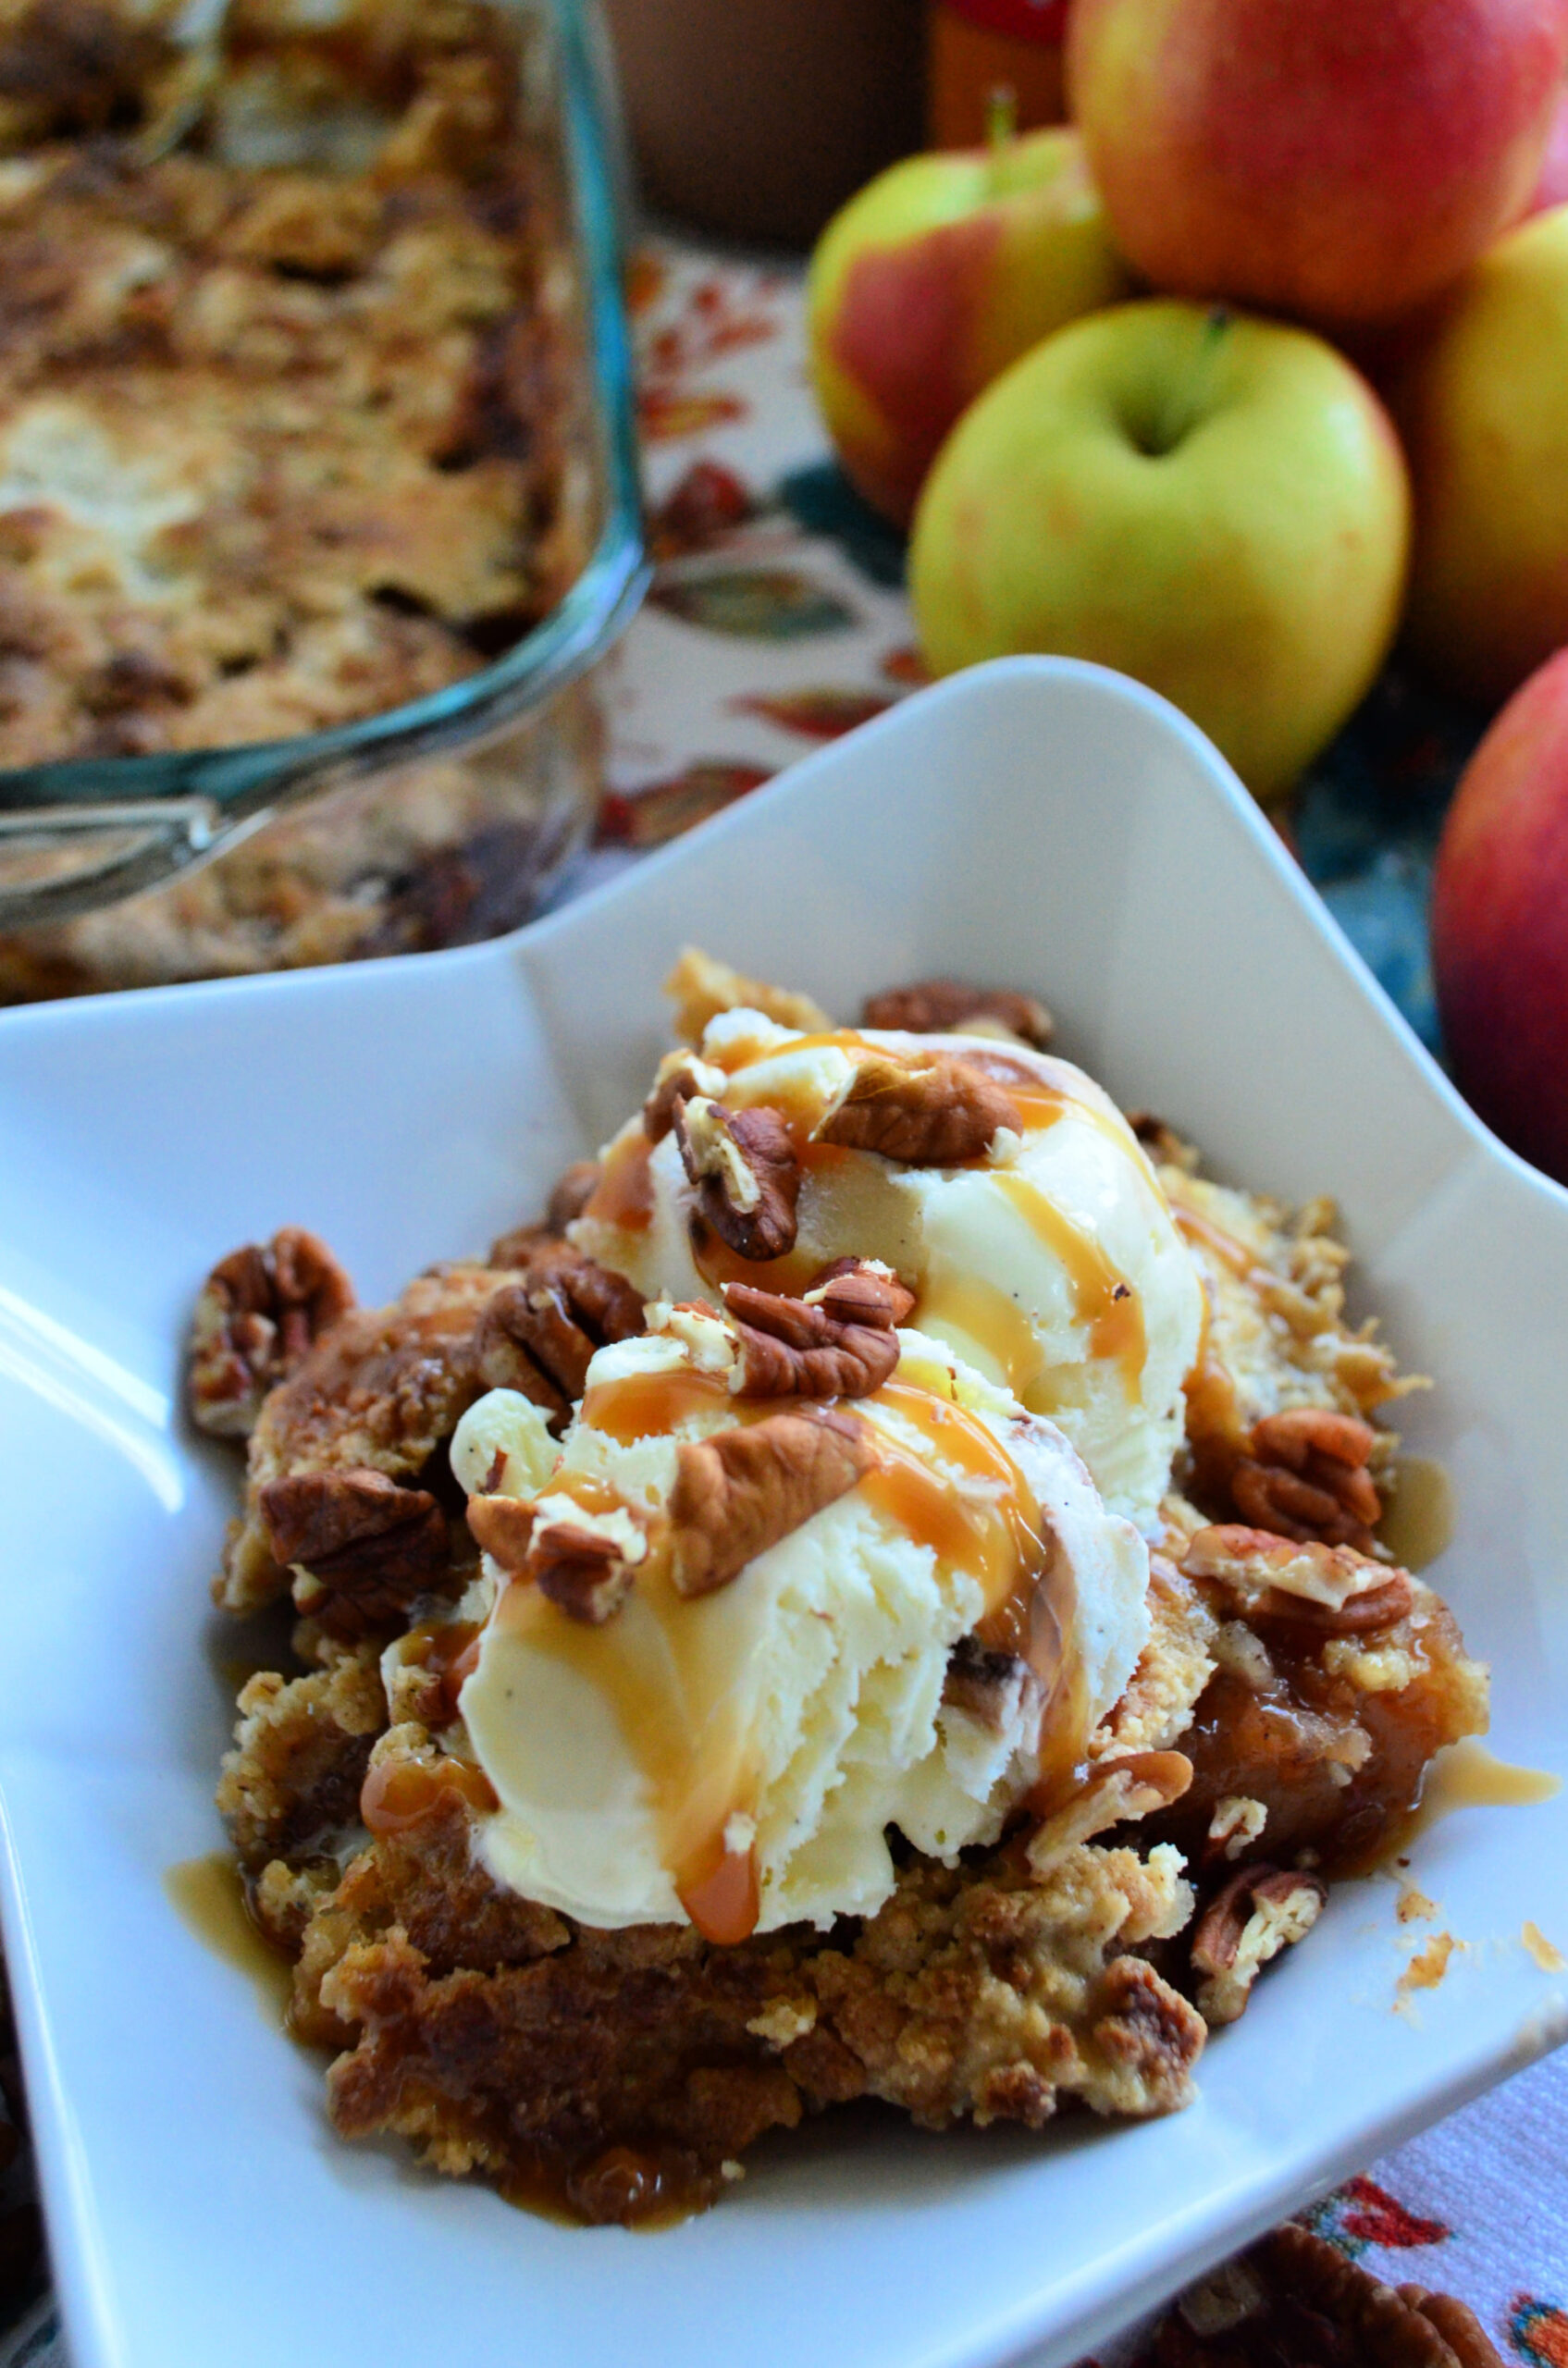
<point x="777" y="621"/>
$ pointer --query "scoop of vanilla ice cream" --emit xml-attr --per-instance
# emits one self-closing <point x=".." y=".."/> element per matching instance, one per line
<point x="776" y="1727"/>
<point x="1052" y="1265"/>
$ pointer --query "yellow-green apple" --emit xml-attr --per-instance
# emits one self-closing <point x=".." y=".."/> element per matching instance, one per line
<point x="1482" y="400"/>
<point x="941" y="272"/>
<point x="1215" y="504"/>
<point x="1500" y="923"/>
<point x="1339" y="160"/>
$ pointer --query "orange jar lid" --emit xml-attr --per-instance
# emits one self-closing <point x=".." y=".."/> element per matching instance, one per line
<point x="977" y="48"/>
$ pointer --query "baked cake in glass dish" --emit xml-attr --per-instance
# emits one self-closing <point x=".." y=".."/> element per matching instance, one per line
<point x="877" y="1595"/>
<point x="286" y="379"/>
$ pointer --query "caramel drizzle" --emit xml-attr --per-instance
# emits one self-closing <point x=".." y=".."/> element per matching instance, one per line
<point x="624" y="1195"/>
<point x="692" y="1754"/>
<point x="1103" y="1300"/>
<point x="999" y="1537"/>
<point x="985" y="1313"/>
<point x="717" y="1263"/>
<point x="1205" y="1235"/>
<point x="651" y="1405"/>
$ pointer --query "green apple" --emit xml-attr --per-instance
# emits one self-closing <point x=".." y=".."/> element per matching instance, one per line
<point x="941" y="272"/>
<point x="1481" y="402"/>
<point x="1216" y="505"/>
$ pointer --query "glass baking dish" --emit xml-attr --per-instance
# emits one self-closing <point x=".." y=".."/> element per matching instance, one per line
<point x="432" y="822"/>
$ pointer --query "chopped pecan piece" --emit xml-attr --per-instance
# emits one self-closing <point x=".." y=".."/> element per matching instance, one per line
<point x="739" y="1493"/>
<point x="1116" y="1790"/>
<point x="994" y="1688"/>
<point x="370" y="1546"/>
<point x="503" y="1528"/>
<point x="260" y="1311"/>
<point x="681" y="1078"/>
<point x="931" y="1110"/>
<point x="943" y="1007"/>
<point x="1261" y="1911"/>
<point x="1305" y="1475"/>
<point x="1331" y="1588"/>
<point x="583" y="1562"/>
<point x="854" y="1290"/>
<point x="583" y="1572"/>
<point x="1235" y="1823"/>
<point x="747" y="1175"/>
<point x="537" y="1336"/>
<point x="794" y="1348"/>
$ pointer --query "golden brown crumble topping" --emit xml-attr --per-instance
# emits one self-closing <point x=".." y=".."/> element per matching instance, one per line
<point x="276" y="438"/>
<point x="1292" y="1690"/>
<point x="285" y="423"/>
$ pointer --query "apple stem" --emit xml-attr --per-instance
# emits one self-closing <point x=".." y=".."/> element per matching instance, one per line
<point x="1190" y="394"/>
<point x="1001" y="116"/>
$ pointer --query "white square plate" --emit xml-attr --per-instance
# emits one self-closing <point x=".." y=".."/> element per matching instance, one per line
<point x="1037" y="822"/>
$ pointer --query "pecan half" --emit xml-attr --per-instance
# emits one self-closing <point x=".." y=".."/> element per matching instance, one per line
<point x="1260" y="1911"/>
<point x="260" y="1311"/>
<point x="854" y="1290"/>
<point x="369" y="1545"/>
<point x="931" y="1110"/>
<point x="799" y="1348"/>
<point x="585" y="1575"/>
<point x="1116" y="1790"/>
<point x="503" y="1528"/>
<point x="583" y="1562"/>
<point x="681" y="1078"/>
<point x="537" y="1336"/>
<point x="1331" y="1588"/>
<point x="1294" y="2296"/>
<point x="747" y="1175"/>
<point x="941" y="1007"/>
<point x="1306" y="1474"/>
<point x="739" y="1493"/>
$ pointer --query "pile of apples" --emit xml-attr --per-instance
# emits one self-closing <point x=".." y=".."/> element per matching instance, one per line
<point x="1259" y="363"/>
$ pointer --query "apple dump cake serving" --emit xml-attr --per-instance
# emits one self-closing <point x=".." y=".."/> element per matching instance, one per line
<point x="876" y="1596"/>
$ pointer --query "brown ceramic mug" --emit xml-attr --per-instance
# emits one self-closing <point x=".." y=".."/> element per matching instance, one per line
<point x="757" y="119"/>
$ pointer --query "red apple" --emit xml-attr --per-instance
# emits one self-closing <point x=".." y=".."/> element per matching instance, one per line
<point x="1551" y="186"/>
<point x="1340" y="160"/>
<point x="1500" y="923"/>
<point x="939" y="273"/>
